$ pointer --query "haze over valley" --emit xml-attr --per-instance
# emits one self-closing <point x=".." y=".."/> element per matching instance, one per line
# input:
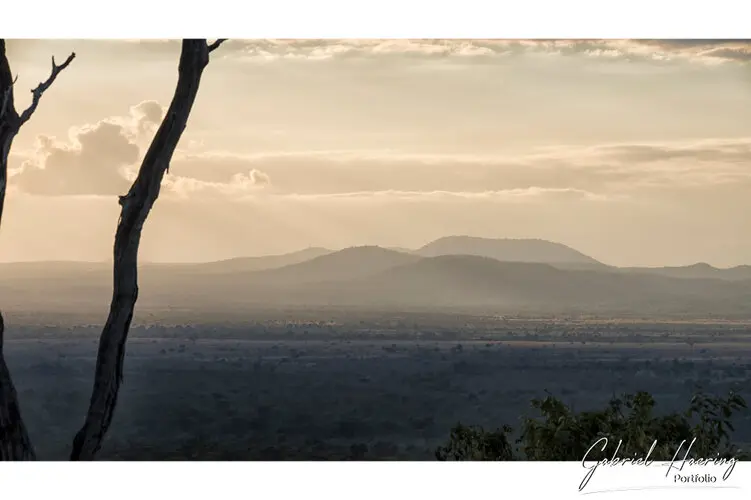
<point x="458" y="273"/>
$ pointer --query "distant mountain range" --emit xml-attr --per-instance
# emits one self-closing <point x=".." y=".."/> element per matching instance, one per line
<point x="452" y="273"/>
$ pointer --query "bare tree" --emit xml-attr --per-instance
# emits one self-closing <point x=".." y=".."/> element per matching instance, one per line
<point x="135" y="208"/>
<point x="14" y="440"/>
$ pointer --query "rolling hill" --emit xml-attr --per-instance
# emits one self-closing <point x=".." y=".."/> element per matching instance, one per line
<point x="480" y="282"/>
<point x="376" y="278"/>
<point x="695" y="271"/>
<point x="244" y="264"/>
<point x="509" y="250"/>
<point x="350" y="263"/>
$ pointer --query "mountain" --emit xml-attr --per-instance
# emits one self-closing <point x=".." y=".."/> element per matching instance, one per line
<point x="695" y="271"/>
<point x="350" y="263"/>
<point x="246" y="264"/>
<point x="400" y="249"/>
<point x="510" y="250"/>
<point x="70" y="269"/>
<point x="50" y="269"/>
<point x="472" y="281"/>
<point x="375" y="278"/>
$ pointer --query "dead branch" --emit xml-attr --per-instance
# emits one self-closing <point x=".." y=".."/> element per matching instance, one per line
<point x="135" y="208"/>
<point x="37" y="92"/>
<point x="216" y="44"/>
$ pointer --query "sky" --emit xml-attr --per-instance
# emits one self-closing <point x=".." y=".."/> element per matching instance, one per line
<point x="637" y="153"/>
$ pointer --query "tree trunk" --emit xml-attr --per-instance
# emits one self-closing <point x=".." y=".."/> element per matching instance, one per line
<point x="14" y="440"/>
<point x="135" y="209"/>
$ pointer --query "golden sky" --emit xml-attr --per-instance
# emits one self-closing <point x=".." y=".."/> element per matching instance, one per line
<point x="636" y="153"/>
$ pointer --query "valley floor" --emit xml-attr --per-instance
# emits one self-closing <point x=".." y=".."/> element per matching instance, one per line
<point x="363" y="389"/>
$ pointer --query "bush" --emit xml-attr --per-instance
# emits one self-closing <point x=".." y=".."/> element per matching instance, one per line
<point x="560" y="434"/>
<point x="475" y="443"/>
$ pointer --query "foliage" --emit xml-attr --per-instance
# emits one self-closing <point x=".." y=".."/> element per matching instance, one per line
<point x="475" y="443"/>
<point x="560" y="434"/>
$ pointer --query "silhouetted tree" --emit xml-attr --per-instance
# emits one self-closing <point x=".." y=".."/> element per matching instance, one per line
<point x="135" y="208"/>
<point x="14" y="440"/>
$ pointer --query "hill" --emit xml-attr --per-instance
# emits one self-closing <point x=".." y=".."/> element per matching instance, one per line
<point x="375" y="278"/>
<point x="348" y="264"/>
<point x="695" y="271"/>
<point x="372" y="278"/>
<point x="245" y="264"/>
<point x="509" y="250"/>
<point x="471" y="281"/>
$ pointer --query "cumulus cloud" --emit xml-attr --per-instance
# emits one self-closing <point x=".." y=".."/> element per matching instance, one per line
<point x="94" y="160"/>
<point x="147" y="115"/>
<point x="91" y="163"/>
<point x="255" y="178"/>
<point x="240" y="184"/>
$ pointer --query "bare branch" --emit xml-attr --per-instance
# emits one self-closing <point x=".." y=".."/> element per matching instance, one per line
<point x="216" y="44"/>
<point x="43" y="86"/>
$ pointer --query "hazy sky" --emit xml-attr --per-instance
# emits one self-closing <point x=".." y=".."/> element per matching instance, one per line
<point x="636" y="153"/>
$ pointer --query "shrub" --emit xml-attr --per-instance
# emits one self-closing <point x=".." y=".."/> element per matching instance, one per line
<point x="560" y="434"/>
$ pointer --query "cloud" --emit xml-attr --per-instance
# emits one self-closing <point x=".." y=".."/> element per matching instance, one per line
<point x="531" y="194"/>
<point x="707" y="51"/>
<point x="255" y="177"/>
<point x="467" y="50"/>
<point x="608" y="170"/>
<point x="147" y="116"/>
<point x="662" y="193"/>
<point x="704" y="151"/>
<point x="241" y="184"/>
<point x="729" y="49"/>
<point x="91" y="163"/>
<point x="96" y="159"/>
<point x="101" y="159"/>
